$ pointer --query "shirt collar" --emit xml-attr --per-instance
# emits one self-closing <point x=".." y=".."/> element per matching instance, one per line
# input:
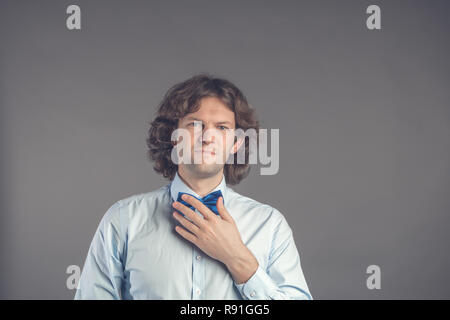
<point x="177" y="185"/>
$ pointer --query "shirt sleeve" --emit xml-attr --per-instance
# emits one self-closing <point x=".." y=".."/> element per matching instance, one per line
<point x="102" y="274"/>
<point x="283" y="278"/>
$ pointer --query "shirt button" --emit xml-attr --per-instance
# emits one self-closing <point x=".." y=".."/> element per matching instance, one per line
<point x="198" y="257"/>
<point x="198" y="291"/>
<point x="252" y="294"/>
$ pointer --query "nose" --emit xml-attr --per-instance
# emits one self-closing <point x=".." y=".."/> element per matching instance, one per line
<point x="208" y="137"/>
<point x="209" y="133"/>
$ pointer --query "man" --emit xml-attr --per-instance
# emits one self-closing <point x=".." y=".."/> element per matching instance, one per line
<point x="195" y="238"/>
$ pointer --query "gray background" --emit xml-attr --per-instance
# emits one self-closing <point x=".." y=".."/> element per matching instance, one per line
<point x="363" y="115"/>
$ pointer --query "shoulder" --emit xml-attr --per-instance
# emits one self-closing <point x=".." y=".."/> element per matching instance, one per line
<point x="124" y="209"/>
<point x="148" y="197"/>
<point x="257" y="208"/>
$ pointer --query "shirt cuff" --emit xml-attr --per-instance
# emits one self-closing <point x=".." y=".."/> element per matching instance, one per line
<point x="259" y="287"/>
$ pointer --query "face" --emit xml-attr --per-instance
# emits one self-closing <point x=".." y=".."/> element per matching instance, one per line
<point x="213" y="123"/>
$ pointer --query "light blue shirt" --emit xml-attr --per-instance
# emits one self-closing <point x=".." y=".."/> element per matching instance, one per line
<point x="137" y="254"/>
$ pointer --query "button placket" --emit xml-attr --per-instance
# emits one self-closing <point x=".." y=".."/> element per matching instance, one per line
<point x="198" y="273"/>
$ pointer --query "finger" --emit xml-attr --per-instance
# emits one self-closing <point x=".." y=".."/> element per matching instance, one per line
<point x="188" y="213"/>
<point x="204" y="210"/>
<point x="187" y="235"/>
<point x="223" y="211"/>
<point x="187" y="224"/>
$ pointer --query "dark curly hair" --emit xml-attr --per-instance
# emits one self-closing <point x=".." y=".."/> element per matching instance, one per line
<point x="184" y="98"/>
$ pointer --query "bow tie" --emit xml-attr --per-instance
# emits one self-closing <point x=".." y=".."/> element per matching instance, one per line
<point x="209" y="200"/>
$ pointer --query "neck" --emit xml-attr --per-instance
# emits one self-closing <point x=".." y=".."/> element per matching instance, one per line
<point x="201" y="186"/>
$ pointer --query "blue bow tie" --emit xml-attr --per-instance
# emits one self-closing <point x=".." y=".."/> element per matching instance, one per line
<point x="209" y="200"/>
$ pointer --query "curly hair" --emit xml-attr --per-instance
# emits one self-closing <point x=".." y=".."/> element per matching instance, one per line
<point x="184" y="98"/>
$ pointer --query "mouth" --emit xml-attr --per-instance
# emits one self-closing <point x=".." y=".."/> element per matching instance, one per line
<point x="206" y="152"/>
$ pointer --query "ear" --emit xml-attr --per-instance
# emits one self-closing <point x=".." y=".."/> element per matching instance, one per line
<point x="237" y="145"/>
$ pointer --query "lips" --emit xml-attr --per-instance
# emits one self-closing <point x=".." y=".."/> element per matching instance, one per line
<point x="206" y="151"/>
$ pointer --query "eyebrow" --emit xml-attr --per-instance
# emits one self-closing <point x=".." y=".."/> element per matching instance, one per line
<point x="220" y="122"/>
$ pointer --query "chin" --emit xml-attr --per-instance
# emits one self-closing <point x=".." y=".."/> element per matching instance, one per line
<point x="205" y="170"/>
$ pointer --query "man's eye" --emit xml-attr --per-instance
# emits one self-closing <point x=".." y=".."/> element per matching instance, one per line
<point x="223" y="128"/>
<point x="195" y="124"/>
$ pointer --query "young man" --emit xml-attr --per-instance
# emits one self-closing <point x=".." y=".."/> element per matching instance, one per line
<point x="195" y="238"/>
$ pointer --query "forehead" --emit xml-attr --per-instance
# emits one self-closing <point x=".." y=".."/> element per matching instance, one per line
<point x="212" y="109"/>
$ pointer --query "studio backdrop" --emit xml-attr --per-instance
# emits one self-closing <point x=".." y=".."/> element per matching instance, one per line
<point x="357" y="89"/>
